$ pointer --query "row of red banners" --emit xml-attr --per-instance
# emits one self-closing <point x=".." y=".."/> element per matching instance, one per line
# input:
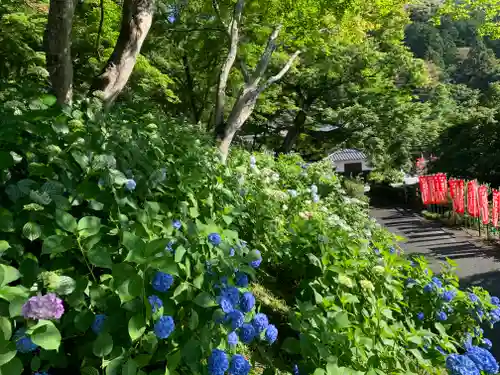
<point x="434" y="190"/>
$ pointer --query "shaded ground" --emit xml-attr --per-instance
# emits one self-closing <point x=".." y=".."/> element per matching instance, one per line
<point x="478" y="263"/>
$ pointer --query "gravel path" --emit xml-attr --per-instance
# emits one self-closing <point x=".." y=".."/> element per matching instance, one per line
<point x="478" y="263"/>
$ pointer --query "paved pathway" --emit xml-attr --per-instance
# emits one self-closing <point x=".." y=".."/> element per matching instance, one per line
<point x="478" y="263"/>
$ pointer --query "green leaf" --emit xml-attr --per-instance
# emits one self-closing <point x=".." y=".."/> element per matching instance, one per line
<point x="66" y="221"/>
<point x="15" y="306"/>
<point x="99" y="256"/>
<point x="9" y="293"/>
<point x="35" y="363"/>
<point x="173" y="360"/>
<point x="48" y="100"/>
<point x="13" y="367"/>
<point x="8" y="274"/>
<point x="5" y="328"/>
<point x="136" y="326"/>
<point x="88" y="226"/>
<point x="342" y="320"/>
<point x="6" y="160"/>
<point x="45" y="334"/>
<point x="198" y="281"/>
<point x="66" y="285"/>
<point x="291" y="345"/>
<point x="181" y="288"/>
<point x="114" y="366"/>
<point x="179" y="253"/>
<point x="136" y="247"/>
<point x="204" y="300"/>
<point x="319" y="371"/>
<point x="253" y="255"/>
<point x="89" y="371"/>
<point x="32" y="231"/>
<point x="7" y="353"/>
<point x="103" y="345"/>
<point x="6" y="221"/>
<point x="4" y="245"/>
<point x="193" y="320"/>
<point x="56" y="244"/>
<point x="130" y="367"/>
<point x="415" y="339"/>
<point x="193" y="212"/>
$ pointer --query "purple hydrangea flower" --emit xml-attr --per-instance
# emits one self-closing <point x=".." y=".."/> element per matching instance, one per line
<point x="45" y="307"/>
<point x="442" y="316"/>
<point x="420" y="316"/>
<point x="473" y="297"/>
<point x="295" y="370"/>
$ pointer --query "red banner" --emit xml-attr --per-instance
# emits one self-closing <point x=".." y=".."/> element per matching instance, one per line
<point x="496" y="207"/>
<point x="457" y="195"/>
<point x="483" y="203"/>
<point x="472" y="204"/>
<point x="424" y="189"/>
<point x="441" y="185"/>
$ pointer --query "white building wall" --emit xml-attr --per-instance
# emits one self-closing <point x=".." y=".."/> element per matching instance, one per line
<point x="340" y="165"/>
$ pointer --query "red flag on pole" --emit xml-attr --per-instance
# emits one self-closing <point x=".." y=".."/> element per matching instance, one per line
<point x="424" y="189"/>
<point x="441" y="188"/>
<point x="496" y="207"/>
<point x="432" y="189"/>
<point x="483" y="203"/>
<point x="457" y="195"/>
<point x="472" y="206"/>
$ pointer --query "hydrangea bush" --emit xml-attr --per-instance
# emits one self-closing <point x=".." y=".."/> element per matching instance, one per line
<point x="127" y="248"/>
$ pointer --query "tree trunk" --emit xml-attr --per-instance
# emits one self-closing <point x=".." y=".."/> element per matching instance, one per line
<point x="58" y="43"/>
<point x="293" y="133"/>
<point x="137" y="17"/>
<point x="190" y="86"/>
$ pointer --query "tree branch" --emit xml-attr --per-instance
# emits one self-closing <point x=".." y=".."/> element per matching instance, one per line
<point x="215" y="5"/>
<point x="228" y="64"/>
<point x="101" y="5"/>
<point x="282" y="72"/>
<point x="266" y="56"/>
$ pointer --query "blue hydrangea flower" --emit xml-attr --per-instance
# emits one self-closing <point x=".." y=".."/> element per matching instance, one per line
<point x="155" y="302"/>
<point x="164" y="327"/>
<point x="473" y="297"/>
<point x="495" y="300"/>
<point x="231" y="252"/>
<point x="247" y="333"/>
<point x="376" y="251"/>
<point x="483" y="359"/>
<point x="315" y="198"/>
<point x="467" y="341"/>
<point x="226" y="305"/>
<point x="448" y="295"/>
<point x="162" y="281"/>
<point x="260" y="322"/>
<point x="487" y="343"/>
<point x="412" y="263"/>
<point x="217" y="362"/>
<point x="461" y="365"/>
<point x="176" y="224"/>
<point x="392" y="250"/>
<point x="169" y="248"/>
<point x="442" y="316"/>
<point x="214" y="239"/>
<point x="437" y="282"/>
<point x="247" y="302"/>
<point x="429" y="288"/>
<point x="232" y="339"/>
<point x="253" y="161"/>
<point x="314" y="189"/>
<point x="223" y="281"/>
<point x="236" y="318"/>
<point x="256" y="263"/>
<point x="480" y="313"/>
<point x="495" y="315"/>
<point x="239" y="365"/>
<point x="98" y="323"/>
<point x="271" y="333"/>
<point x="241" y="279"/>
<point x="420" y="316"/>
<point x="130" y="185"/>
<point x="293" y="193"/>
<point x="23" y="342"/>
<point x="232" y="294"/>
<point x="295" y="370"/>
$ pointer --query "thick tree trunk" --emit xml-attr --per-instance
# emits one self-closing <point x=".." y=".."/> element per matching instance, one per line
<point x="137" y="17"/>
<point x="58" y="43"/>
<point x="293" y="133"/>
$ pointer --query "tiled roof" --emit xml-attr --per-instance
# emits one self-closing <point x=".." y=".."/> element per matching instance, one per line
<point x="346" y="155"/>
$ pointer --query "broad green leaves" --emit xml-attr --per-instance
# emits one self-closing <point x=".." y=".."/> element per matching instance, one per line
<point x="103" y="345"/>
<point x="8" y="274"/>
<point x="66" y="221"/>
<point x="45" y="334"/>
<point x="88" y="226"/>
<point x="32" y="231"/>
<point x="136" y="327"/>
